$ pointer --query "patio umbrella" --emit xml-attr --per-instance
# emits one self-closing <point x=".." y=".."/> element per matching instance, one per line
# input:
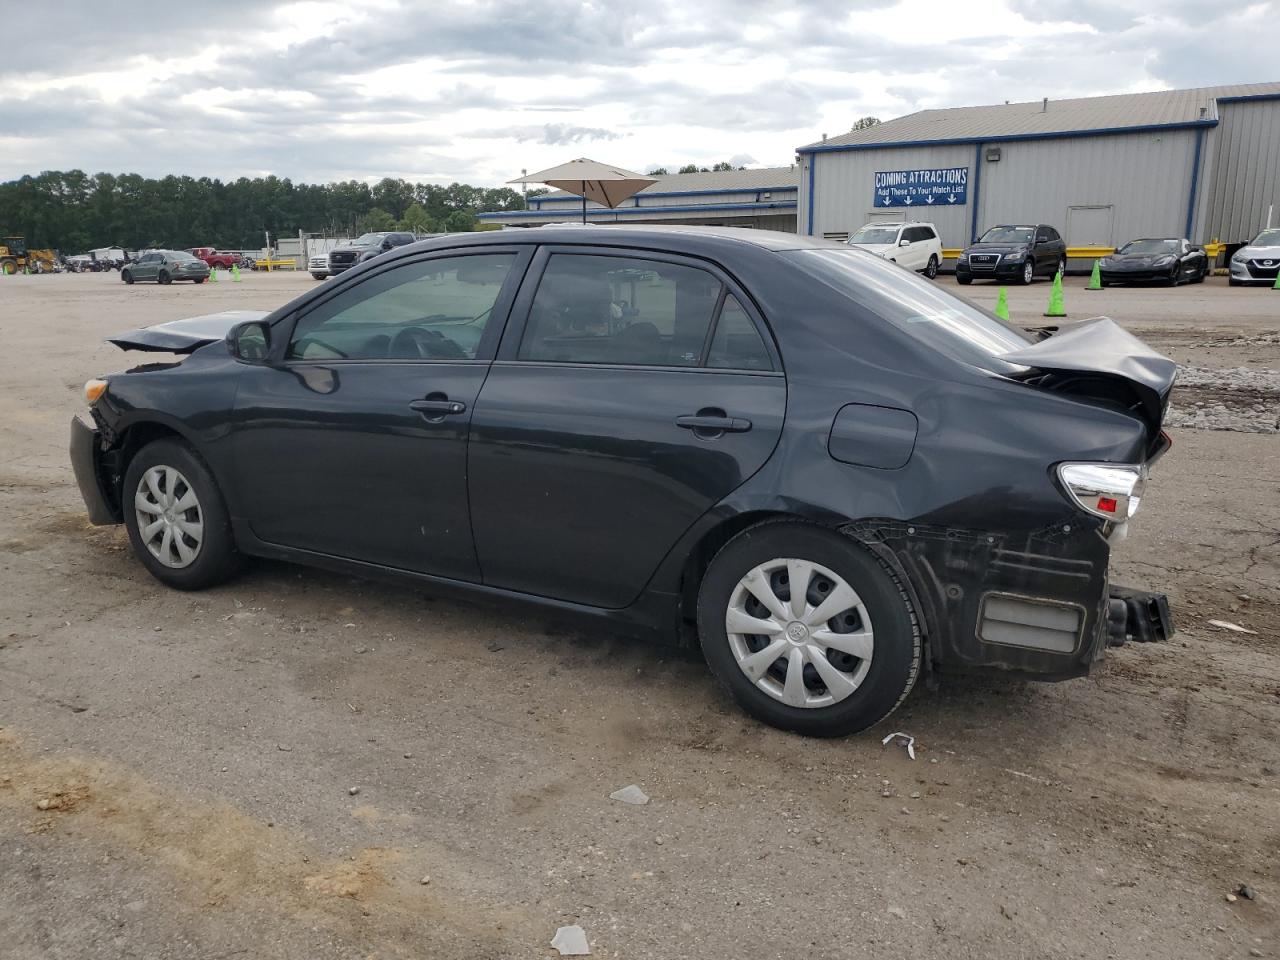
<point x="591" y="180"/>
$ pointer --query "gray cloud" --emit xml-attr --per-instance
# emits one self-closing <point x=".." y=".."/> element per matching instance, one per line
<point x="552" y="134"/>
<point x="575" y="63"/>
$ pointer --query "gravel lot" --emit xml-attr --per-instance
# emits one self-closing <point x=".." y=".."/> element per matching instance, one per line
<point x="277" y="768"/>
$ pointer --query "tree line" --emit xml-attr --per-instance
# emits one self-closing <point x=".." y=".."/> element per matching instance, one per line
<point x="72" y="211"/>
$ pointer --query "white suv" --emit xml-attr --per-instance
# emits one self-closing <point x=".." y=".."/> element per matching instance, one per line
<point x="914" y="245"/>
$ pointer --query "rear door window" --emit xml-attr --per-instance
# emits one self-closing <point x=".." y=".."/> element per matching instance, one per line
<point x="620" y="310"/>
<point x="737" y="344"/>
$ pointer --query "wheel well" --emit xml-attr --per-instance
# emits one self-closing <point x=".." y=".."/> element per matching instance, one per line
<point x="131" y="441"/>
<point x="706" y="548"/>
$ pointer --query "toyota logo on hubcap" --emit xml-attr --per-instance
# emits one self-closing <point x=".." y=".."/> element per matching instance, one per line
<point x="797" y="632"/>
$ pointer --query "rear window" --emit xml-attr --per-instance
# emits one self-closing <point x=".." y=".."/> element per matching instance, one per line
<point x="915" y="305"/>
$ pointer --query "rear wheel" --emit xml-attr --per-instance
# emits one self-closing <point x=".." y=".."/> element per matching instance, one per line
<point x="1028" y="273"/>
<point x="8" y="267"/>
<point x="164" y="277"/>
<point x="807" y="630"/>
<point x="931" y="271"/>
<point x="197" y="279"/>
<point x="126" y="276"/>
<point x="178" y="525"/>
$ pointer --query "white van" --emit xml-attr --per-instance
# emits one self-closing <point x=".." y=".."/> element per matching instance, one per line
<point x="914" y="245"/>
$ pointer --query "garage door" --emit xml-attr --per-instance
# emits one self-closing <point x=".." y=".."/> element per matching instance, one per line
<point x="1089" y="226"/>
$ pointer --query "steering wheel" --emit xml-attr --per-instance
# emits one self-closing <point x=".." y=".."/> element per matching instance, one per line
<point x="425" y="344"/>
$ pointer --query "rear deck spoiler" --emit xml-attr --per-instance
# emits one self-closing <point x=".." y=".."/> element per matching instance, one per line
<point x="184" y="336"/>
<point x="1103" y="348"/>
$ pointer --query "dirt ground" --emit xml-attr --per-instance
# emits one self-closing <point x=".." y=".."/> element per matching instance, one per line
<point x="303" y="765"/>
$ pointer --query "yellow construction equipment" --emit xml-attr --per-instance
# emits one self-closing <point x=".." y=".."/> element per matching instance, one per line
<point x="16" y="258"/>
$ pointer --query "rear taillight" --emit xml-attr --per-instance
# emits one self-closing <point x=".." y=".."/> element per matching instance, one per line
<point x="1107" y="490"/>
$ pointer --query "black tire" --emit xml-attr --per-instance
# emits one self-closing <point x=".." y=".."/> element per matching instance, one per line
<point x="126" y="276"/>
<point x="931" y="269"/>
<point x="163" y="277"/>
<point x="963" y="281"/>
<point x="895" y="662"/>
<point x="1233" y="282"/>
<point x="216" y="558"/>
<point x="8" y="267"/>
<point x="1028" y="275"/>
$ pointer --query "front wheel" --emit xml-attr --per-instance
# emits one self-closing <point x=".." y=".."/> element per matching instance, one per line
<point x="963" y="281"/>
<point x="178" y="525"/>
<point x="1028" y="273"/>
<point x="931" y="270"/>
<point x="164" y="277"/>
<point x="807" y="630"/>
<point x="126" y="276"/>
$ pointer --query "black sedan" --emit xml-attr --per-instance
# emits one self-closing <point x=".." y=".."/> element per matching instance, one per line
<point x="1019" y="252"/>
<point x="1165" y="260"/>
<point x="835" y="474"/>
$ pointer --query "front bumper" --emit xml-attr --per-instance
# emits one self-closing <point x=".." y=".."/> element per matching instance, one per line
<point x="1253" y="271"/>
<point x="1004" y="270"/>
<point x="1143" y="275"/>
<point x="86" y="463"/>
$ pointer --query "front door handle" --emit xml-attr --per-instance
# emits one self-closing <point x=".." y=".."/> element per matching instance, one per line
<point x="706" y="424"/>
<point x="434" y="409"/>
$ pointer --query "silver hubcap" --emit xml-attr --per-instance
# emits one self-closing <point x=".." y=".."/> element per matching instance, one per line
<point x="799" y="632"/>
<point x="1028" y="272"/>
<point x="170" y="521"/>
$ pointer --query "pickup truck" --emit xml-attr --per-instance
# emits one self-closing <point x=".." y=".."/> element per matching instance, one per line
<point x="215" y="259"/>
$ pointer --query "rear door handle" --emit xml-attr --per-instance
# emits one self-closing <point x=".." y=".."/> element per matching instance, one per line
<point x="438" y="408"/>
<point x="709" y="424"/>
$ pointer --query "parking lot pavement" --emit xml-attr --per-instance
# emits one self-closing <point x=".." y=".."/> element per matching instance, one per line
<point x="275" y="767"/>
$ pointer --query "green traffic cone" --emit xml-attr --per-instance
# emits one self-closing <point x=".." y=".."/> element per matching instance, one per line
<point x="1095" y="281"/>
<point x="1276" y="285"/>
<point x="1002" y="305"/>
<point x="1056" y="309"/>
<point x="235" y="273"/>
<point x="213" y="274"/>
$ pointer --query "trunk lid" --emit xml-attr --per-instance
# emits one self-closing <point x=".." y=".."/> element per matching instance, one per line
<point x="184" y="336"/>
<point x="1101" y="351"/>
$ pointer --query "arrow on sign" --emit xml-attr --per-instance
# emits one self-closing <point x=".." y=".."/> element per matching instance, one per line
<point x="907" y="201"/>
<point x="951" y="199"/>
<point x="929" y="198"/>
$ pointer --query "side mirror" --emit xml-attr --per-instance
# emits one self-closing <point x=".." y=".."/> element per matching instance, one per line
<point x="250" y="341"/>
<point x="904" y="243"/>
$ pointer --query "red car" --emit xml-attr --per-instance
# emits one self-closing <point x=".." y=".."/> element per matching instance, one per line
<point x="215" y="259"/>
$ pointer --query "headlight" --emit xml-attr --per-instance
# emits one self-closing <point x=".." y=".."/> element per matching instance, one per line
<point x="1238" y="257"/>
<point x="1107" y="490"/>
<point x="93" y="391"/>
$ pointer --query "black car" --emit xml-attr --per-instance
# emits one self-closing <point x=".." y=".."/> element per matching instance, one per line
<point x="1168" y="260"/>
<point x="1018" y="252"/>
<point x="366" y="247"/>
<point x="837" y="474"/>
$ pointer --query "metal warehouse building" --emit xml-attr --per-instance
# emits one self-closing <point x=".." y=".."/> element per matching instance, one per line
<point x="1204" y="164"/>
<point x="763" y="198"/>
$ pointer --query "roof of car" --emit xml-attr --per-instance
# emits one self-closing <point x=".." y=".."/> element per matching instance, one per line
<point x="644" y="235"/>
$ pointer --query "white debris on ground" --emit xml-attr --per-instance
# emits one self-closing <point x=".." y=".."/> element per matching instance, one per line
<point x="1233" y="398"/>
<point x="631" y="794"/>
<point x="571" y="942"/>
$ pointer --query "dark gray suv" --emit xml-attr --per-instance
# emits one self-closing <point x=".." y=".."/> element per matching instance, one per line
<point x="1018" y="252"/>
<point x="366" y="247"/>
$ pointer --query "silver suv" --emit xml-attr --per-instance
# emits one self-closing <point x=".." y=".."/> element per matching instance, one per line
<point x="1257" y="262"/>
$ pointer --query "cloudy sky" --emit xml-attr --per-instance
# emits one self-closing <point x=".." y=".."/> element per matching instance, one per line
<point x="474" y="91"/>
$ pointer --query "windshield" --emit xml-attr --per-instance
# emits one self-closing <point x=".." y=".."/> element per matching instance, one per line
<point x="915" y="305"/>
<point x="1267" y="238"/>
<point x="1009" y="235"/>
<point x="368" y="239"/>
<point x="871" y="234"/>
<point x="1150" y="246"/>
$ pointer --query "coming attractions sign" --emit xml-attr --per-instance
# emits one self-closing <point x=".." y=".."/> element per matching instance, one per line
<point x="939" y="186"/>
